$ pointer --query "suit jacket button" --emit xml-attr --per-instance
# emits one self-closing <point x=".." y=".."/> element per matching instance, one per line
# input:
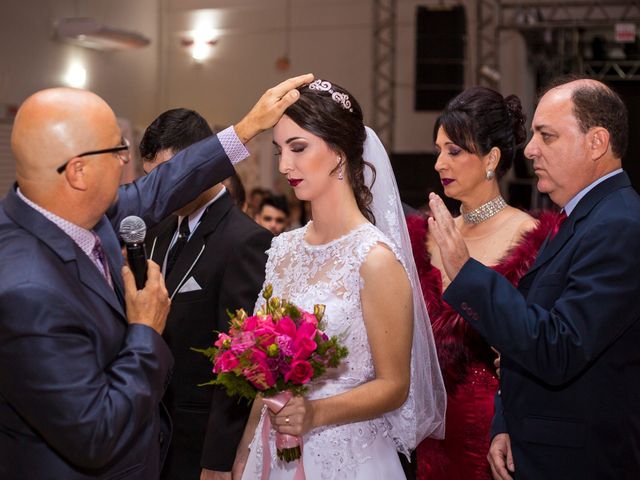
<point x="161" y="438"/>
<point x="464" y="306"/>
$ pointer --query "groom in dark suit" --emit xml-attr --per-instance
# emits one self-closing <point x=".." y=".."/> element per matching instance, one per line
<point x="213" y="258"/>
<point x="569" y="336"/>
<point x="82" y="364"/>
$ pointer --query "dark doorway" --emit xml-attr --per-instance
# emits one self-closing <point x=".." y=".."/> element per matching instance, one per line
<point x="630" y="93"/>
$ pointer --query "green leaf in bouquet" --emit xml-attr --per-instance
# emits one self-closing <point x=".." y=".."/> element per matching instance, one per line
<point x="281" y="386"/>
<point x="235" y="385"/>
<point x="209" y="352"/>
<point x="292" y="311"/>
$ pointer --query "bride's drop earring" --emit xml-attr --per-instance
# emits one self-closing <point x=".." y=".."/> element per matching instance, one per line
<point x="340" y="174"/>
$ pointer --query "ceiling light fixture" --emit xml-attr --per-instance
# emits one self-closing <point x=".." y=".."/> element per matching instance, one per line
<point x="89" y="33"/>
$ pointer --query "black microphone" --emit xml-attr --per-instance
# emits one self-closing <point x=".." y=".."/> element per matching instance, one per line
<point x="132" y="232"/>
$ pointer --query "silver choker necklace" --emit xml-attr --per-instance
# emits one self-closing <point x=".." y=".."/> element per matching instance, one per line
<point x="484" y="212"/>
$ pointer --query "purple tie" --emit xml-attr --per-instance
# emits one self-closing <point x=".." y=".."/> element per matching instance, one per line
<point x="100" y="259"/>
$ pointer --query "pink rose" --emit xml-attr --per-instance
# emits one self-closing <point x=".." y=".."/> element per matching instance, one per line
<point x="266" y="322"/>
<point x="300" y="372"/>
<point x="250" y="323"/>
<point x="242" y="342"/>
<point x="303" y="348"/>
<point x="264" y="339"/>
<point x="260" y="373"/>
<point x="309" y="318"/>
<point x="304" y="344"/>
<point x="307" y="330"/>
<point x="226" y="362"/>
<point x="286" y="326"/>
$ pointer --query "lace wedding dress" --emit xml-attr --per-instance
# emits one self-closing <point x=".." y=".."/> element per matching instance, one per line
<point x="330" y="274"/>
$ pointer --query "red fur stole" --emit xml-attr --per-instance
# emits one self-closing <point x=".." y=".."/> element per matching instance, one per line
<point x="457" y="342"/>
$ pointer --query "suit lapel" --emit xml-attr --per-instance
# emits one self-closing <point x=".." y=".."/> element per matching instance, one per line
<point x="550" y="248"/>
<point x="65" y="248"/>
<point x="111" y="246"/>
<point x="158" y="244"/>
<point x="196" y="244"/>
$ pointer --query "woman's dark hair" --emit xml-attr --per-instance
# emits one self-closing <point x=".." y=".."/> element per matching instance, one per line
<point x="479" y="119"/>
<point x="330" y="112"/>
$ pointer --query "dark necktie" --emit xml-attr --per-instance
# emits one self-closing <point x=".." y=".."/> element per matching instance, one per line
<point x="562" y="216"/>
<point x="101" y="259"/>
<point x="178" y="246"/>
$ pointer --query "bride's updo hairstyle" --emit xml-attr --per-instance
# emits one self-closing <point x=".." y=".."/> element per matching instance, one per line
<point x="479" y="119"/>
<point x="330" y="112"/>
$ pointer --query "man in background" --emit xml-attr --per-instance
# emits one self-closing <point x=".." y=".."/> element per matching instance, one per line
<point x="213" y="260"/>
<point x="273" y="213"/>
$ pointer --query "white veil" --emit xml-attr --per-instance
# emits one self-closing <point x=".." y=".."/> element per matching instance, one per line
<point x="423" y="413"/>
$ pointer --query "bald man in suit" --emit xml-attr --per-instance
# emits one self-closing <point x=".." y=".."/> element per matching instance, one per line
<point x="83" y="365"/>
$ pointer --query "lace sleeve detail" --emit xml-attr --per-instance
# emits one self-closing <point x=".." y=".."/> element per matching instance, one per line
<point x="369" y="237"/>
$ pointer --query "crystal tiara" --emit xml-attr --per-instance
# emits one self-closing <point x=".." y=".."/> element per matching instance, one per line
<point x="338" y="97"/>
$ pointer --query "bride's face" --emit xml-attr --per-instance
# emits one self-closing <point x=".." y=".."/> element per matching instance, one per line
<point x="305" y="159"/>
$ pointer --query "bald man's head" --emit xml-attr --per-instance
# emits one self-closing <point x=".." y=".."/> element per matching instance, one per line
<point x="54" y="127"/>
<point x="56" y="124"/>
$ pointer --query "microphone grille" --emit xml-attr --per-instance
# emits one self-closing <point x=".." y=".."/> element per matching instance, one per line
<point x="133" y="229"/>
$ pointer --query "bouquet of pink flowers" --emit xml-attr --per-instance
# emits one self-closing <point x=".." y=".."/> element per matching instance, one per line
<point x="276" y="352"/>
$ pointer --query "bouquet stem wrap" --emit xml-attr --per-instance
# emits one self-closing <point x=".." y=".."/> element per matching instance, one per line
<point x="289" y="446"/>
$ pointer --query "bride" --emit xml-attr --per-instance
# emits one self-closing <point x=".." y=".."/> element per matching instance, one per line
<point x="355" y="258"/>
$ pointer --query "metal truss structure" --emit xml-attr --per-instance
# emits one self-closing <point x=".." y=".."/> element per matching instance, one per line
<point x="488" y="43"/>
<point x="384" y="69"/>
<point x="555" y="34"/>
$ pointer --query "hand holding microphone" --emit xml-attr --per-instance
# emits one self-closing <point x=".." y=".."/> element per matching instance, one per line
<point x="146" y="296"/>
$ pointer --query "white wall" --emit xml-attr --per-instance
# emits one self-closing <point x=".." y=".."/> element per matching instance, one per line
<point x="330" y="38"/>
<point x="31" y="59"/>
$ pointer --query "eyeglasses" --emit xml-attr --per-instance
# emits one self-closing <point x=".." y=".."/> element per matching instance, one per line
<point x="121" y="151"/>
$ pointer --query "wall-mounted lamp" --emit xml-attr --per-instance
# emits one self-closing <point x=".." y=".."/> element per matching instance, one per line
<point x="200" y="49"/>
<point x="201" y="41"/>
<point x="76" y="76"/>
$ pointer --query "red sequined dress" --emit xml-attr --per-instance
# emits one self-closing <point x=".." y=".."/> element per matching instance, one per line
<point x="466" y="361"/>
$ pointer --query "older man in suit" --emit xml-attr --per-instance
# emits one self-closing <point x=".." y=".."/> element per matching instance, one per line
<point x="213" y="258"/>
<point x="82" y="364"/>
<point x="569" y="406"/>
